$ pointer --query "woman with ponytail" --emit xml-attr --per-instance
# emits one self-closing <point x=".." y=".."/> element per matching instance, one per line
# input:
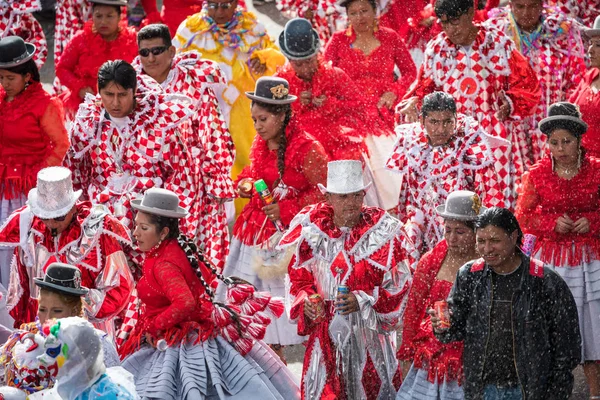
<point x="184" y="345"/>
<point x="291" y="163"/>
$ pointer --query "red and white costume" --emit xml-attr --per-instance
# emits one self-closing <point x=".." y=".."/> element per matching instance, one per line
<point x="92" y="242"/>
<point x="584" y="11"/>
<point x="84" y="55"/>
<point x="574" y="256"/>
<point x="211" y="145"/>
<point x="555" y="52"/>
<point x="466" y="162"/>
<point x="115" y="160"/>
<point x="475" y="77"/>
<point x="16" y="20"/>
<point x="435" y="365"/>
<point x="369" y="259"/>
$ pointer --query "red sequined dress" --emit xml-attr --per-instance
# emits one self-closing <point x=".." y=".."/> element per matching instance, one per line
<point x="587" y="98"/>
<point x="575" y="256"/>
<point x="440" y="362"/>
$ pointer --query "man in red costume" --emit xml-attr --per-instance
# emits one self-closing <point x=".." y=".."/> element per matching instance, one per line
<point x="54" y="227"/>
<point x="552" y="44"/>
<point x="207" y="135"/>
<point x="329" y="103"/>
<point x="488" y="77"/>
<point x="338" y="243"/>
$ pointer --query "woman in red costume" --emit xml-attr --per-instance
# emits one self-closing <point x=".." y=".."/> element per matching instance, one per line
<point x="368" y="54"/>
<point x="291" y="163"/>
<point x="437" y="368"/>
<point x="184" y="345"/>
<point x="32" y="131"/>
<point x="559" y="204"/>
<point x="102" y="39"/>
<point x="587" y="94"/>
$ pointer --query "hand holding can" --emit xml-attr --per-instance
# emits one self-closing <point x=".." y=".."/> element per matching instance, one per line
<point x="440" y="316"/>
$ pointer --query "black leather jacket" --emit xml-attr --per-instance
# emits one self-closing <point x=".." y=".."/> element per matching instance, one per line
<point x="545" y="329"/>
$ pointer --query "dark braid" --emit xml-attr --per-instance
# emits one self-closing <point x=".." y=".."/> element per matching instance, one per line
<point x="277" y="109"/>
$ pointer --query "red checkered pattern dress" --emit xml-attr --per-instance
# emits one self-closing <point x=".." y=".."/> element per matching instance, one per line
<point x="16" y="20"/>
<point x="476" y="77"/>
<point x="557" y="56"/>
<point x="466" y="162"/>
<point x="115" y="167"/>
<point x="208" y="137"/>
<point x="584" y="11"/>
<point x="71" y="15"/>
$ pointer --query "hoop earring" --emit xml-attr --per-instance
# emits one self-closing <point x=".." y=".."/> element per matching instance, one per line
<point x="553" y="167"/>
<point x="579" y="159"/>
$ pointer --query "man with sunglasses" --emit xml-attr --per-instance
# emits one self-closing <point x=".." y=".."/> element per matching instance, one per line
<point x="443" y="152"/>
<point x="55" y="227"/>
<point x="239" y="43"/>
<point x="207" y="134"/>
<point x="487" y="76"/>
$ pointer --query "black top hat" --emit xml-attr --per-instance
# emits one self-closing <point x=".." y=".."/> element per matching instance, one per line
<point x="272" y="90"/>
<point x="62" y="278"/>
<point x="299" y="40"/>
<point x="14" y="51"/>
<point x="110" y="2"/>
<point x="563" y="115"/>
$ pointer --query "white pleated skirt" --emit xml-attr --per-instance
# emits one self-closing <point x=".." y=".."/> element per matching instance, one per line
<point x="416" y="386"/>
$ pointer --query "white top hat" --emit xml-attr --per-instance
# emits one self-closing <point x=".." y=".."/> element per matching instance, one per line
<point x="53" y="197"/>
<point x="343" y="177"/>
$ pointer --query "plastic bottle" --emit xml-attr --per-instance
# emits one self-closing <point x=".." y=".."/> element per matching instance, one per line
<point x="265" y="194"/>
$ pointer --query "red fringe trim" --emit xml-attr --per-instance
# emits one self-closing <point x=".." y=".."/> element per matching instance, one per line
<point x="446" y="366"/>
<point x="567" y="254"/>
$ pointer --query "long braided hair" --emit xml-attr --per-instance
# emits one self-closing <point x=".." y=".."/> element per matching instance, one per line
<point x="278" y="109"/>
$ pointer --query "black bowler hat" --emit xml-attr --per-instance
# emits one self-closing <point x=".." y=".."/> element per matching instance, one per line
<point x="62" y="278"/>
<point x="272" y="90"/>
<point x="563" y="115"/>
<point x="299" y="40"/>
<point x="110" y="2"/>
<point x="14" y="51"/>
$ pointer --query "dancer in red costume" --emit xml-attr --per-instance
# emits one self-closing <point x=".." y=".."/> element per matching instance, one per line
<point x="16" y="20"/>
<point x="32" y="131"/>
<point x="207" y="135"/>
<point x="436" y="370"/>
<point x="184" y="345"/>
<point x="329" y="104"/>
<point x="552" y="44"/>
<point x="102" y="39"/>
<point x="585" y="11"/>
<point x="369" y="55"/>
<point x="349" y="354"/>
<point x="54" y="227"/>
<point x="291" y="163"/>
<point x="442" y="153"/>
<point x="559" y="204"/>
<point x="173" y="12"/>
<point x="587" y="94"/>
<point x="489" y="79"/>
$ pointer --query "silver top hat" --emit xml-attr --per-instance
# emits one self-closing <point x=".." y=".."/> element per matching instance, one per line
<point x="461" y="205"/>
<point x="63" y="278"/>
<point x="298" y="40"/>
<point x="54" y="196"/>
<point x="162" y="202"/>
<point x="272" y="90"/>
<point x="343" y="177"/>
<point x="15" y="51"/>
<point x="595" y="30"/>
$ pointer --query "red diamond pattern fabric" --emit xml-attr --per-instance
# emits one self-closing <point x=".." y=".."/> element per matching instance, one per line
<point x="16" y="20"/>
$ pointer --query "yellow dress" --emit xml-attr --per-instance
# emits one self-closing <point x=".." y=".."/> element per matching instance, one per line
<point x="232" y="46"/>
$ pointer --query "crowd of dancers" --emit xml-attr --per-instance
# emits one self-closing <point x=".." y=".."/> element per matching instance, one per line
<point x="409" y="189"/>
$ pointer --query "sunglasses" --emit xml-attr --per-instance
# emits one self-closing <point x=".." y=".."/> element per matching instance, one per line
<point x="223" y="6"/>
<point x="154" y="50"/>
